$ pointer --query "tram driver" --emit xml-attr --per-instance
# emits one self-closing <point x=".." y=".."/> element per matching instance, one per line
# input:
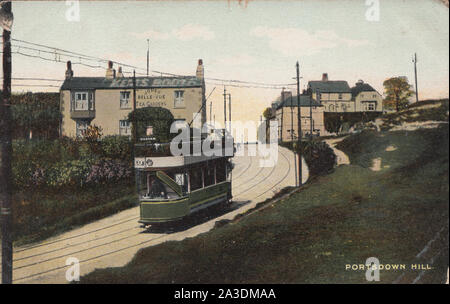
<point x="155" y="189"/>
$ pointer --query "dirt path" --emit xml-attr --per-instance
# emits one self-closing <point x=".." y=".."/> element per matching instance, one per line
<point x="341" y="157"/>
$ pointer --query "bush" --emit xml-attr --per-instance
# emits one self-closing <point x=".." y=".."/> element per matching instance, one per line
<point x="117" y="147"/>
<point x="319" y="157"/>
<point x="70" y="162"/>
<point x="159" y="118"/>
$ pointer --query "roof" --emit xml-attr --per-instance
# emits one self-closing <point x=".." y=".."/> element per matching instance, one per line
<point x="361" y="87"/>
<point x="305" y="101"/>
<point x="127" y="82"/>
<point x="330" y="86"/>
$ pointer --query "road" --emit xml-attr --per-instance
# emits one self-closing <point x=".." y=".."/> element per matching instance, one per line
<point x="113" y="241"/>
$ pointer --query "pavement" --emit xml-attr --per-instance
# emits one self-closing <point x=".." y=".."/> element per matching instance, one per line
<point x="113" y="241"/>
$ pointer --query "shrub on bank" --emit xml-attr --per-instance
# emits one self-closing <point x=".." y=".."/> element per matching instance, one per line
<point x="319" y="157"/>
<point x="117" y="147"/>
<point x="70" y="162"/>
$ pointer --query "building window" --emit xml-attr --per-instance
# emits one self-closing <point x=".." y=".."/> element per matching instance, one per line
<point x="81" y="127"/>
<point x="374" y="95"/>
<point x="340" y="96"/>
<point x="371" y="107"/>
<point x="149" y="131"/>
<point x="81" y="101"/>
<point x="178" y="99"/>
<point x="125" y="100"/>
<point x="124" y="128"/>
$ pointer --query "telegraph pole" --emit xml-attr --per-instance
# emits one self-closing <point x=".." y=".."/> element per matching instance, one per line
<point x="6" y="155"/>
<point x="292" y="140"/>
<point x="210" y="112"/>
<point x="299" y="127"/>
<point x="282" y="114"/>
<point x="229" y="110"/>
<point x="310" y="119"/>
<point x="134" y="109"/>
<point x="225" y="107"/>
<point x="415" y="76"/>
<point x="148" y="56"/>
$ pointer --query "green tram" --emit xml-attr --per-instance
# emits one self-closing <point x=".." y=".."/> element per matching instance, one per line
<point x="173" y="187"/>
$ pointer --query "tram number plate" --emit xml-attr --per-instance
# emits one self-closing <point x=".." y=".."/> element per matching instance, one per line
<point x="142" y="162"/>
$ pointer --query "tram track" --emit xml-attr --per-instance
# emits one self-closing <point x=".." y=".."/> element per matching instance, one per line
<point x="75" y="236"/>
<point x="90" y="259"/>
<point x="126" y="239"/>
<point x="282" y="179"/>
<point x="76" y="244"/>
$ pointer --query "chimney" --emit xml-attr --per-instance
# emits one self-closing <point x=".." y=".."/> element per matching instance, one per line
<point x="325" y="77"/>
<point x="110" y="72"/>
<point x="119" y="73"/>
<point x="69" y="72"/>
<point x="285" y="95"/>
<point x="200" y="73"/>
<point x="360" y="82"/>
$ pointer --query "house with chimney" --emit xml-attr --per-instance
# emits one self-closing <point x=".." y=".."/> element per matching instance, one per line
<point x="366" y="98"/>
<point x="107" y="101"/>
<point x="311" y="117"/>
<point x="337" y="97"/>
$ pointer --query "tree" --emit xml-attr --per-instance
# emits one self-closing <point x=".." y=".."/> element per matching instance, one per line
<point x="160" y="119"/>
<point x="37" y="114"/>
<point x="268" y="114"/>
<point x="398" y="91"/>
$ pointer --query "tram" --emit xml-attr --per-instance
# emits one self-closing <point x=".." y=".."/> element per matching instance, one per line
<point x="172" y="187"/>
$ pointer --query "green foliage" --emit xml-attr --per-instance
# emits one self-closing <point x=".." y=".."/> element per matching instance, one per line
<point x="398" y="91"/>
<point x="70" y="162"/>
<point x="92" y="136"/>
<point x="117" y="147"/>
<point x="159" y="118"/>
<point x="268" y="113"/>
<point x="319" y="157"/>
<point x="35" y="112"/>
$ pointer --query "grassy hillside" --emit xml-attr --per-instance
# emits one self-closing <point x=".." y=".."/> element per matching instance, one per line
<point x="390" y="211"/>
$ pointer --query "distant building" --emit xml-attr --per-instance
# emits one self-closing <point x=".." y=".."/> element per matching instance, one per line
<point x="287" y="117"/>
<point x="337" y="97"/>
<point x="107" y="101"/>
<point x="366" y="98"/>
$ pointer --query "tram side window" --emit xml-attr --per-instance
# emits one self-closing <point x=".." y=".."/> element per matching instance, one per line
<point x="209" y="176"/>
<point x="196" y="179"/>
<point x="151" y="187"/>
<point x="221" y="172"/>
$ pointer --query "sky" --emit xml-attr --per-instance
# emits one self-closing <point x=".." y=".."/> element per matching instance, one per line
<point x="258" y="41"/>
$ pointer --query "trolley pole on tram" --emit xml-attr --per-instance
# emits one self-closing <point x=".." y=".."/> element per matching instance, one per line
<point x="134" y="109"/>
<point x="299" y="127"/>
<point x="6" y="152"/>
<point x="134" y="135"/>
<point x="229" y="110"/>
<point x="225" y="107"/>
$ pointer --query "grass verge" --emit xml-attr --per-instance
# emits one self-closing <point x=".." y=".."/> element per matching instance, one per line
<point x="41" y="214"/>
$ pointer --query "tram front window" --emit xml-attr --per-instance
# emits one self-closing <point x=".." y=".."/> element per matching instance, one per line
<point x="150" y="187"/>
